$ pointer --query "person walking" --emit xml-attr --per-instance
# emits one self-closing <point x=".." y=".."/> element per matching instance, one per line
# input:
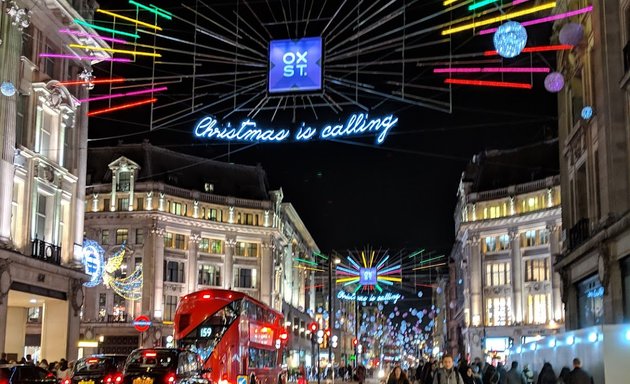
<point x="547" y="375"/>
<point x="3" y="358"/>
<point x="397" y="376"/>
<point x="578" y="375"/>
<point x="490" y="375"/>
<point x="447" y="374"/>
<point x="564" y="375"/>
<point x="529" y="374"/>
<point x="361" y="374"/>
<point x="502" y="373"/>
<point x="514" y="375"/>
<point x="63" y="372"/>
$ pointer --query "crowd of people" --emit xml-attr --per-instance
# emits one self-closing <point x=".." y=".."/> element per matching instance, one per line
<point x="478" y="372"/>
<point x="62" y="368"/>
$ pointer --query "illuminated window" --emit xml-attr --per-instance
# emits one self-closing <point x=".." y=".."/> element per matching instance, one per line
<point x="246" y="249"/>
<point x="14" y="210"/>
<point x="538" y="308"/>
<point x="495" y="211"/>
<point x="537" y="270"/>
<point x="121" y="235"/>
<point x="175" y="208"/>
<point x="498" y="311"/>
<point x="124" y="182"/>
<point x="170" y="305"/>
<point x="105" y="236"/>
<point x="504" y="242"/>
<point x="533" y="203"/>
<point x="44" y="218"/>
<point x="140" y="236"/>
<point x="491" y="244"/>
<point x="180" y="241"/>
<point x="168" y="240"/>
<point x="123" y="204"/>
<point x="139" y="204"/>
<point x="209" y="275"/>
<point x="497" y="274"/>
<point x="530" y="239"/>
<point x="214" y="214"/>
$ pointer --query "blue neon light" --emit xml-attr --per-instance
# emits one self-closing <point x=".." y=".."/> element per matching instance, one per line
<point x="367" y="276"/>
<point x="93" y="262"/>
<point x="387" y="296"/>
<point x="248" y="131"/>
<point x="295" y="65"/>
<point x="382" y="262"/>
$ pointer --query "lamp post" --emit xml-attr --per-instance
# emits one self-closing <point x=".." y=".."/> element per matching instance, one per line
<point x="332" y="262"/>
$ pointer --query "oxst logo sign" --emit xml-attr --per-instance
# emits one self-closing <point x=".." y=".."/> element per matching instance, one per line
<point x="295" y="65"/>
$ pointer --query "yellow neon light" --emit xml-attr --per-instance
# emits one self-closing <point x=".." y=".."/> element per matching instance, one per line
<point x="363" y="257"/>
<point x="346" y="279"/>
<point x="449" y="2"/>
<point x="129" y="19"/>
<point x="371" y="259"/>
<point x="309" y="268"/>
<point x="429" y="266"/>
<point x="114" y="50"/>
<point x="497" y="19"/>
<point x="387" y="278"/>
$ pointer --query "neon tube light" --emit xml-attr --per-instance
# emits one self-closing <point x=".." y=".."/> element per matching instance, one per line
<point x="124" y="106"/>
<point x="516" y="2"/>
<point x="136" y="21"/>
<point x="497" y="19"/>
<point x="115" y="50"/>
<point x="493" y="70"/>
<point x="104" y="29"/>
<point x="105" y="81"/>
<point x="134" y="93"/>
<point x="85" y="34"/>
<point x="62" y="56"/>
<point x="346" y="279"/>
<point x="160" y="9"/>
<point x="545" y="19"/>
<point x="305" y="261"/>
<point x="542" y="48"/>
<point x="431" y="259"/>
<point x="155" y="11"/>
<point x="448" y="2"/>
<point x="480" y="4"/>
<point x="482" y="83"/>
<point x="387" y="278"/>
<point x="434" y="265"/>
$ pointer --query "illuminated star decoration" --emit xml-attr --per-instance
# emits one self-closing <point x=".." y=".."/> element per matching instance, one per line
<point x="369" y="274"/>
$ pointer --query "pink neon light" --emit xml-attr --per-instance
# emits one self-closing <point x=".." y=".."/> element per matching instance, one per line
<point x="62" y="56"/>
<point x="85" y="34"/>
<point x="545" y="19"/>
<point x="115" y="95"/>
<point x="517" y="2"/>
<point x="493" y="70"/>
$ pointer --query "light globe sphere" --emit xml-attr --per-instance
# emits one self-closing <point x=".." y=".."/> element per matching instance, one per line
<point x="571" y="34"/>
<point x="7" y="88"/>
<point x="554" y="82"/>
<point x="510" y="39"/>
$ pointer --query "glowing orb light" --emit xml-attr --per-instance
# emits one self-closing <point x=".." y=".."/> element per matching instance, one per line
<point x="7" y="88"/>
<point x="554" y="82"/>
<point x="510" y="39"/>
<point x="571" y="34"/>
<point x="587" y="112"/>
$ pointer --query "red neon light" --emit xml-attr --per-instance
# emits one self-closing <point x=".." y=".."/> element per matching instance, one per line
<point x="124" y="106"/>
<point x="482" y="83"/>
<point x="80" y="82"/>
<point x="542" y="48"/>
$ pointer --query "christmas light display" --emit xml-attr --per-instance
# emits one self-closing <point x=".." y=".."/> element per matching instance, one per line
<point x="368" y="275"/>
<point x="510" y="39"/>
<point x="545" y="19"/>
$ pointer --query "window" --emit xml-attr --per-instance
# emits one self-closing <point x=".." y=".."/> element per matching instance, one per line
<point x="170" y="305"/>
<point x="168" y="239"/>
<point x="497" y="274"/>
<point x="33" y="315"/>
<point x="538" y="308"/>
<point x="14" y="210"/>
<point x="102" y="309"/>
<point x="498" y="311"/>
<point x="250" y="219"/>
<point x="625" y="271"/>
<point x="244" y="278"/>
<point x="43" y="218"/>
<point x="495" y="211"/>
<point x="246" y="249"/>
<point x="140" y="236"/>
<point x="124" y="182"/>
<point x="123" y="204"/>
<point x="215" y="214"/>
<point x="106" y="204"/>
<point x="491" y="244"/>
<point x="262" y="358"/>
<point x="119" y="311"/>
<point x="139" y="204"/>
<point x="122" y="235"/>
<point x="174" y="271"/>
<point x="175" y="208"/>
<point x="537" y="270"/>
<point x="504" y="242"/>
<point x="209" y="275"/>
<point x="105" y="236"/>
<point x="180" y="241"/>
<point x="47" y="123"/>
<point x="590" y="302"/>
<point x="49" y="62"/>
<point x="533" y="238"/>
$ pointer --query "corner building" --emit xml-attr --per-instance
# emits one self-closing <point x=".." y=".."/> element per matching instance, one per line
<point x="503" y="289"/>
<point x="188" y="223"/>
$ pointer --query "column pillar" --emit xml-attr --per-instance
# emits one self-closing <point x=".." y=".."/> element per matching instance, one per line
<point x="80" y="163"/>
<point x="131" y="188"/>
<point x="193" y="258"/>
<point x="517" y="276"/>
<point x="266" y="269"/>
<point x="556" y="283"/>
<point x="55" y="326"/>
<point x="112" y="203"/>
<point x="74" y="322"/>
<point x="228" y="273"/>
<point x="158" y="267"/>
<point x="476" y="283"/>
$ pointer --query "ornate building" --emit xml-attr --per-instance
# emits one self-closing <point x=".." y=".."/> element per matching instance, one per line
<point x="187" y="223"/>
<point x="43" y="137"/>
<point x="503" y="289"/>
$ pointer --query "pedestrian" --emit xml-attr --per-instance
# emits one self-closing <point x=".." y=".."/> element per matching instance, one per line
<point x="63" y="372"/>
<point x="361" y="374"/>
<point x="578" y="375"/>
<point x="397" y="376"/>
<point x="3" y="358"/>
<point x="564" y="375"/>
<point x="43" y="364"/>
<point x="447" y="374"/>
<point x="547" y="375"/>
<point x="514" y="375"/>
<point x="419" y="370"/>
<point x="469" y="376"/>
<point x="490" y="375"/>
<point x="29" y="360"/>
<point x="529" y="374"/>
<point x="502" y="373"/>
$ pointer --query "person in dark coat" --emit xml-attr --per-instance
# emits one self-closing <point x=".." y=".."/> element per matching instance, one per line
<point x="578" y="375"/>
<point x="547" y="375"/>
<point x="469" y="376"/>
<point x="398" y="376"/>
<point x="564" y="375"/>
<point x="502" y="373"/>
<point x="514" y="375"/>
<point x="490" y="375"/>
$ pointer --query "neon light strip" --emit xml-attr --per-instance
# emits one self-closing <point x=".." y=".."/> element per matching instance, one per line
<point x="493" y="70"/>
<point x="124" y="106"/>
<point x="115" y="50"/>
<point x="160" y="9"/>
<point x="363" y="258"/>
<point x="380" y="264"/>
<point x="371" y="259"/>
<point x="542" y="48"/>
<point x="391" y="272"/>
<point x="545" y="19"/>
<point x="431" y="259"/>
<point x="104" y="29"/>
<point x="167" y="17"/>
<point x="387" y="278"/>
<point x="320" y="255"/>
<point x="416" y="253"/>
<point x="62" y="56"/>
<point x="517" y="2"/>
<point x="380" y="290"/>
<point x="346" y="273"/>
<point x="351" y="282"/>
<point x="305" y="261"/>
<point x="79" y="82"/>
<point x="346" y="279"/>
<point x="134" y="93"/>
<point x="480" y="4"/>
<point x="388" y="270"/>
<point x="112" y="14"/>
<point x="354" y="263"/>
<point x="347" y="270"/>
<point x="481" y="83"/>
<point x="497" y="19"/>
<point x="85" y="34"/>
<point x="357" y="289"/>
<point x="448" y="2"/>
<point x="386" y="282"/>
<point x="434" y="265"/>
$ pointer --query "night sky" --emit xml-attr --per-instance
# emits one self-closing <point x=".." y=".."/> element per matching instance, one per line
<point x="399" y="195"/>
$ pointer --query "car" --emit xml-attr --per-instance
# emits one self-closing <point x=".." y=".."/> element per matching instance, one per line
<point x="25" y="374"/>
<point x="98" y="369"/>
<point x="164" y="366"/>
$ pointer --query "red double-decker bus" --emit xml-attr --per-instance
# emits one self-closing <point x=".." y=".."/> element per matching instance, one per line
<point x="234" y="334"/>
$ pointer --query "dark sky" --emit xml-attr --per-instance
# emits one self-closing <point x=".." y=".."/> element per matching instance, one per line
<point x="397" y="195"/>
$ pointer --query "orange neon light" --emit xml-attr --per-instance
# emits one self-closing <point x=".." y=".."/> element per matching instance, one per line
<point x="124" y="106"/>
<point x="80" y="82"/>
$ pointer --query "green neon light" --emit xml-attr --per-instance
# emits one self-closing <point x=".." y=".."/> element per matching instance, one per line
<point x="160" y="9"/>
<point x="305" y="261"/>
<point x="320" y="255"/>
<point x="167" y="17"/>
<point x="416" y="253"/>
<point x="85" y="24"/>
<point x="480" y="4"/>
<point x="380" y="290"/>
<point x="431" y="259"/>
<point x="357" y="290"/>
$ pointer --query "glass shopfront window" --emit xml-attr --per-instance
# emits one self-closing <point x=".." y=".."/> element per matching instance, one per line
<point x="625" y="270"/>
<point x="590" y="302"/>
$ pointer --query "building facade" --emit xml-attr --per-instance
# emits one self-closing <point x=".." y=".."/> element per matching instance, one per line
<point x="503" y="289"/>
<point x="43" y="137"/>
<point x="595" y="166"/>
<point x="187" y="223"/>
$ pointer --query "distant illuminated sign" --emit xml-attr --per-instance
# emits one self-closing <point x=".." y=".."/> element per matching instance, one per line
<point x="260" y="334"/>
<point x="367" y="276"/>
<point x="295" y="65"/>
<point x="388" y="297"/>
<point x="205" y="332"/>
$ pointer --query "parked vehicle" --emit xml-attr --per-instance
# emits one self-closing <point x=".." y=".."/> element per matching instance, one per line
<point x="163" y="366"/>
<point x="25" y="374"/>
<point x="98" y="369"/>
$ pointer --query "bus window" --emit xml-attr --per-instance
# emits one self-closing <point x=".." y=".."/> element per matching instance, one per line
<point x="262" y="358"/>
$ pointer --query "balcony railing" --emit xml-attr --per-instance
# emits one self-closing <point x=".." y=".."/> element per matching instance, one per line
<point x="579" y="233"/>
<point x="47" y="252"/>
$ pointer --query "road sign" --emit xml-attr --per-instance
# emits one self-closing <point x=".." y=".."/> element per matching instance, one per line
<point x="241" y="379"/>
<point x="142" y="323"/>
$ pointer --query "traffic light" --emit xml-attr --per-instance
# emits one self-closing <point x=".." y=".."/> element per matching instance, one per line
<point x="355" y="342"/>
<point x="313" y="327"/>
<point x="327" y="332"/>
